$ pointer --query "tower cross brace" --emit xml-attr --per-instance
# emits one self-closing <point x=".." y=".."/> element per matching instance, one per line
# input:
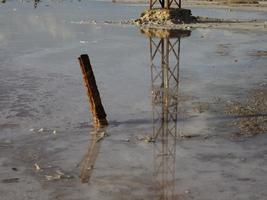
<point x="166" y="4"/>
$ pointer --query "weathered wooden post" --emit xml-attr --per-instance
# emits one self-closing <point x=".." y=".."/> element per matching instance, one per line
<point x="97" y="109"/>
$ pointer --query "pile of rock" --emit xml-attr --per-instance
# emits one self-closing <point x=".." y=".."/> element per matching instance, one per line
<point x="165" y="16"/>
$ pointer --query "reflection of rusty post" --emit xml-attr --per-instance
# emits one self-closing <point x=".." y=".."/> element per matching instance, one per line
<point x="89" y="160"/>
<point x="97" y="109"/>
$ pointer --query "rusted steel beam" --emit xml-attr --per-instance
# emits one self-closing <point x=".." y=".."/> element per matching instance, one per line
<point x="97" y="109"/>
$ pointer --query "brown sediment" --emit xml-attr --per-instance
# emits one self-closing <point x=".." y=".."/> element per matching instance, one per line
<point x="165" y="33"/>
<point x="258" y="53"/>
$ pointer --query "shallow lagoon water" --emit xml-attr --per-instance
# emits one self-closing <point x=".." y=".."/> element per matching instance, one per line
<point x="41" y="87"/>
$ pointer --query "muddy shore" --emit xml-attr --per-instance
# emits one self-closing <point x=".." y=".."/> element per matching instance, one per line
<point x="199" y="22"/>
<point x="260" y="6"/>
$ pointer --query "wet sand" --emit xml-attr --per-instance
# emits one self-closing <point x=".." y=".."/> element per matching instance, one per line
<point x="46" y="130"/>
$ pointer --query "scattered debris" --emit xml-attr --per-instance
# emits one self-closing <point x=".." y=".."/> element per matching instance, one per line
<point x="59" y="172"/>
<point x="252" y="114"/>
<point x="37" y="167"/>
<point x="200" y="107"/>
<point x="147" y="139"/>
<point x="83" y="42"/>
<point x="189" y="136"/>
<point x="41" y="130"/>
<point x="57" y="176"/>
<point x="52" y="178"/>
<point x="199" y="22"/>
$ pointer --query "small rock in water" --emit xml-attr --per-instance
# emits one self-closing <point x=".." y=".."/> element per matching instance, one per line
<point x="83" y="42"/>
<point x="41" y="130"/>
<point x="52" y="178"/>
<point x="187" y="192"/>
<point x="14" y="169"/>
<point x="54" y="132"/>
<point x="58" y="175"/>
<point x="37" y="167"/>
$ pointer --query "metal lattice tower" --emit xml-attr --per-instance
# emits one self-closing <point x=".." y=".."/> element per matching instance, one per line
<point x="164" y="58"/>
<point x="167" y="4"/>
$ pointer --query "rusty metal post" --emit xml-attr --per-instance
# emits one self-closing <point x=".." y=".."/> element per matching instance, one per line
<point x="97" y="109"/>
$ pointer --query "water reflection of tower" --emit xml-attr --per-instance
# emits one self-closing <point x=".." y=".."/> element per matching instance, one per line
<point x="164" y="58"/>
